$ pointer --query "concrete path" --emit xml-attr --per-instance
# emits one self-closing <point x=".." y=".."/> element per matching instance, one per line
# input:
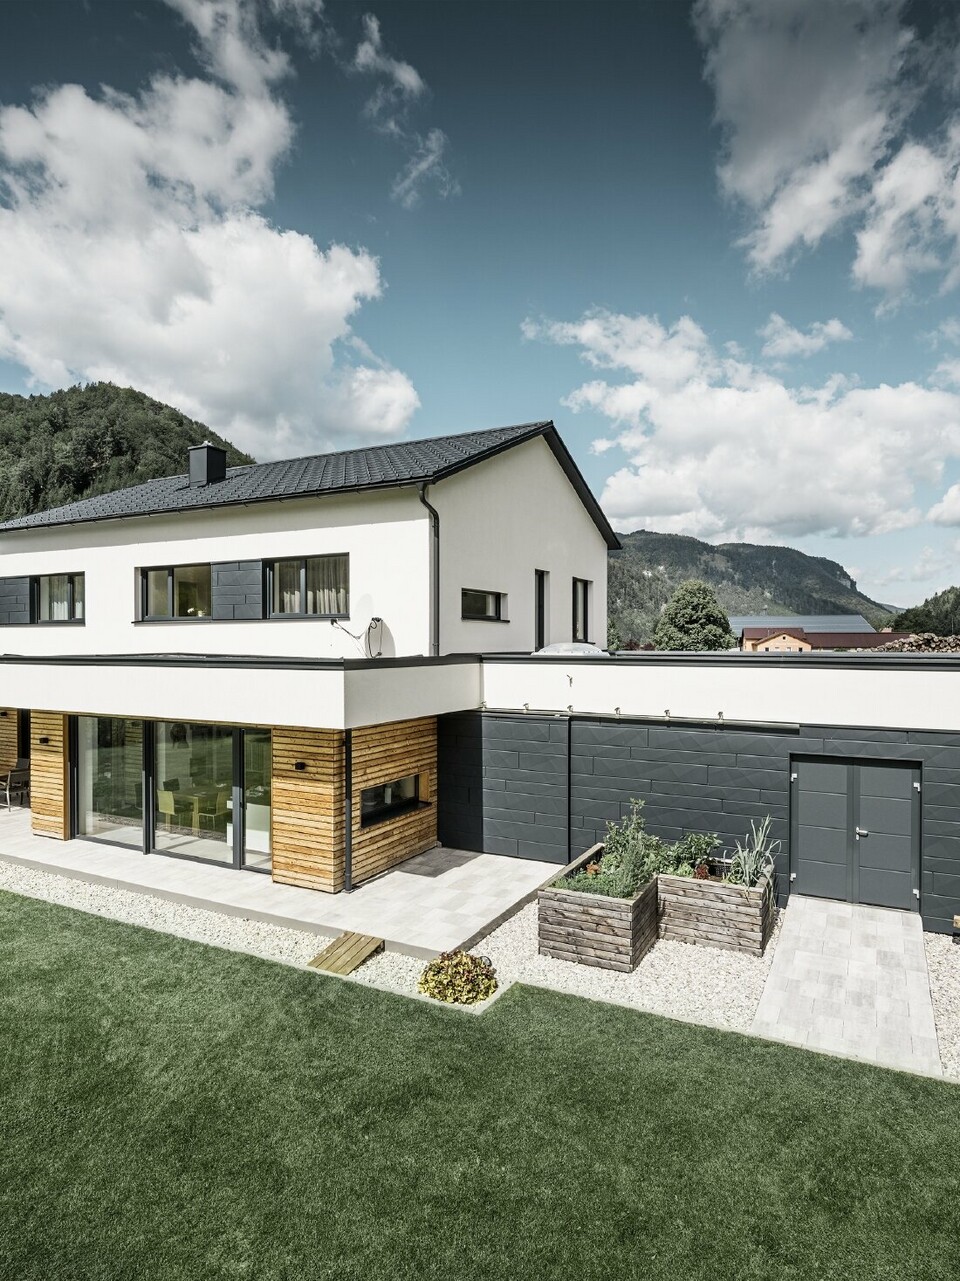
<point x="851" y="980"/>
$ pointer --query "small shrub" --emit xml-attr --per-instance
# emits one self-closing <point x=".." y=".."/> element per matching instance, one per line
<point x="459" y="978"/>
<point x="630" y="855"/>
<point x="751" y="859"/>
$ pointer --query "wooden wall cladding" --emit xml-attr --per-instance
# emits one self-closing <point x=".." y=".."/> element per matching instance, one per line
<point x="49" y="805"/>
<point x="307" y="819"/>
<point x="382" y="753"/>
<point x="9" y="748"/>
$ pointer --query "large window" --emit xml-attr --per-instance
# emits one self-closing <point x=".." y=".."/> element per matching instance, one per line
<point x="57" y="598"/>
<point x="389" y="799"/>
<point x="175" y="591"/>
<point x="312" y="587"/>
<point x="110" y="780"/>
<point x="491" y="606"/>
<point x="581" y="609"/>
<point x="193" y="796"/>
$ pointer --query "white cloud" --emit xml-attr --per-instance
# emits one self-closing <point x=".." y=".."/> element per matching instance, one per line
<point x="131" y="248"/>
<point x="721" y="448"/>
<point x="931" y="562"/>
<point x="388" y="110"/>
<point x="784" y="341"/>
<point x="813" y="98"/>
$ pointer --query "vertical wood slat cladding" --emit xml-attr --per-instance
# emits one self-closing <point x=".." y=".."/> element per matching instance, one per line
<point x="9" y="752"/>
<point x="382" y="753"/>
<point x="307" y="820"/>
<point x="49" y="809"/>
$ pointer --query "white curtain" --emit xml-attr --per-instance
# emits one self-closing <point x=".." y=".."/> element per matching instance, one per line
<point x="327" y="585"/>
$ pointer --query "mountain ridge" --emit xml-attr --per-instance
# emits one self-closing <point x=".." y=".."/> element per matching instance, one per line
<point x="748" y="578"/>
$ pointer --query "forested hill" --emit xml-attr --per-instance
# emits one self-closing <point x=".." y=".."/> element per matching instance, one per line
<point x="747" y="578"/>
<point x="88" y="440"/>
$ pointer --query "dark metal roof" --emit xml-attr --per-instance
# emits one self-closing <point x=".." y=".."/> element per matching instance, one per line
<point x="413" y="462"/>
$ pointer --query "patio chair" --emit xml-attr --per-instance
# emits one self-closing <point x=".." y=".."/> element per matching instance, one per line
<point x="213" y="808"/>
<point x="16" y="782"/>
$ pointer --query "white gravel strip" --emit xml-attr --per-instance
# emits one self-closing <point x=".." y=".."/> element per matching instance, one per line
<point x="236" y="934"/>
<point x="943" y="967"/>
<point x="697" y="984"/>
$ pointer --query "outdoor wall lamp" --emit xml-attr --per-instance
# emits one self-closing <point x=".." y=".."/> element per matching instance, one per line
<point x="43" y="739"/>
<point x="4" y="712"/>
<point x="297" y="765"/>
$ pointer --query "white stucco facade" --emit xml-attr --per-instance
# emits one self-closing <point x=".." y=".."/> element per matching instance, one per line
<point x="499" y="523"/>
<point x="500" y="520"/>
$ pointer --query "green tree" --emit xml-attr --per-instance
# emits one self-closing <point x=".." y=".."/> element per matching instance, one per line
<point x="939" y="614"/>
<point x="693" y="619"/>
<point x="614" y="639"/>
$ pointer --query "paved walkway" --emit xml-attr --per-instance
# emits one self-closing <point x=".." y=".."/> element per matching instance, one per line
<point x="851" y="980"/>
<point x="432" y="903"/>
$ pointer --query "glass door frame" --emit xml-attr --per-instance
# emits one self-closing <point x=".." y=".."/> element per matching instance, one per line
<point x="148" y="779"/>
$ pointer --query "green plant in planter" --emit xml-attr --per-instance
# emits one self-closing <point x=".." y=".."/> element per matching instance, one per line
<point x="629" y="859"/>
<point x="754" y="857"/>
<point x="459" y="978"/>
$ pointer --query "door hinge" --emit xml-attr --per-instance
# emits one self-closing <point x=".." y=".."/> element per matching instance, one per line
<point x="916" y="893"/>
<point x="917" y="786"/>
<point x="793" y="876"/>
<point x="793" y="777"/>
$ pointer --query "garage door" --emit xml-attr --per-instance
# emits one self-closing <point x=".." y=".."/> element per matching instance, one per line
<point x="856" y="831"/>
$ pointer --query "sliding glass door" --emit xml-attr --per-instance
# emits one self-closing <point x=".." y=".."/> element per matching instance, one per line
<point x="207" y="788"/>
<point x="110" y="780"/>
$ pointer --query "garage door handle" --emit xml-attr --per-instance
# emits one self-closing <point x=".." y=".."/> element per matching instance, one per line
<point x="861" y="831"/>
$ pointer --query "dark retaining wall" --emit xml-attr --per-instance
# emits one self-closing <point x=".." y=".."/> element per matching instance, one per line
<point x="535" y="786"/>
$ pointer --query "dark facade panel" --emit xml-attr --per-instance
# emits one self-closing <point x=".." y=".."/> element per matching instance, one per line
<point x="14" y="601"/>
<point x="236" y="590"/>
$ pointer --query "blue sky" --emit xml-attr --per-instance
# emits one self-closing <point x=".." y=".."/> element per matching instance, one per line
<point x="717" y="243"/>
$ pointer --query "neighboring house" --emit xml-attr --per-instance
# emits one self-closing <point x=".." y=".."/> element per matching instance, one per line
<point x="799" y="640"/>
<point x="193" y="669"/>
<point x="809" y="622"/>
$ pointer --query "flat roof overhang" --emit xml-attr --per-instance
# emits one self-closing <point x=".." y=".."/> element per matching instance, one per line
<point x="237" y="690"/>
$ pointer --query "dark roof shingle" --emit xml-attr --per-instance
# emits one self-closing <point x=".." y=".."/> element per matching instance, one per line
<point x="376" y="467"/>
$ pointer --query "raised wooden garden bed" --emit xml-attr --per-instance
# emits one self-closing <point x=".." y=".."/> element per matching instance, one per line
<point x="715" y="914"/>
<point x="595" y="929"/>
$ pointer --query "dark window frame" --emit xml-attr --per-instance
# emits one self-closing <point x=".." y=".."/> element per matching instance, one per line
<point x="581" y="584"/>
<point x="34" y="592"/>
<point x="396" y="809"/>
<point x="269" y="572"/>
<point x="499" y="598"/>
<point x="144" y="616"/>
<point x="540" y="608"/>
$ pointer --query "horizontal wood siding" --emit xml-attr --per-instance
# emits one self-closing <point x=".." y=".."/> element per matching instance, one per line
<point x="717" y="914"/>
<point x="307" y="819"/>
<point x="49" y="807"/>
<point x="8" y="738"/>
<point x="382" y="753"/>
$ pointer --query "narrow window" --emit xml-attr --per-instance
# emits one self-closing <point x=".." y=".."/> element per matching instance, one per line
<point x="476" y="604"/>
<point x="310" y="587"/>
<point x="176" y="591"/>
<point x="581" y="608"/>
<point x="58" y="598"/>
<point x="386" y="800"/>
<point x="540" y="608"/>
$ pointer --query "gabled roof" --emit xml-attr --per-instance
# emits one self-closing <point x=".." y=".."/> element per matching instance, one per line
<point x="407" y="463"/>
<point x="809" y="622"/>
<point x="768" y="633"/>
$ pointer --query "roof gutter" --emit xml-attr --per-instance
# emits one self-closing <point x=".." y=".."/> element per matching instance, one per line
<point x="435" y="570"/>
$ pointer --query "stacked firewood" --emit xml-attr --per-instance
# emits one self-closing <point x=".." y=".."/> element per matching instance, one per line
<point x="921" y="643"/>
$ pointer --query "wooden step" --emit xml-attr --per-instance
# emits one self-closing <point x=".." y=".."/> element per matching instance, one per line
<point x="346" y="953"/>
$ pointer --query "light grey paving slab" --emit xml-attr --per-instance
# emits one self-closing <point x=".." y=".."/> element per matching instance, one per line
<point x="434" y="902"/>
<point x="851" y="980"/>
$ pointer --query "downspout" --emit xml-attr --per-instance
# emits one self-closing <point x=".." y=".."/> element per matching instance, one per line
<point x="435" y="601"/>
<point x="348" y="811"/>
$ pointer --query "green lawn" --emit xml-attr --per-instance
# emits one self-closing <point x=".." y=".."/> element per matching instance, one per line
<point x="168" y="1110"/>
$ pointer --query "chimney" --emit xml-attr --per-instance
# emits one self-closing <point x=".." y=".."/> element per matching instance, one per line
<point x="208" y="464"/>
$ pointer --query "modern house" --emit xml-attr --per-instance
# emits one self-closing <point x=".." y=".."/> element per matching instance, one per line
<point x="165" y="641"/>
<point x="316" y="669"/>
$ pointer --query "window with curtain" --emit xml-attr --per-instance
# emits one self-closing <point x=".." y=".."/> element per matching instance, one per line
<point x="316" y="586"/>
<point x="58" y="598"/>
<point x="581" y="609"/>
